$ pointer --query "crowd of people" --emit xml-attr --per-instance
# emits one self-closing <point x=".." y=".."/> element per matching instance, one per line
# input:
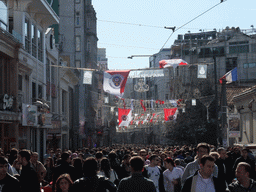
<point x="130" y="168"/>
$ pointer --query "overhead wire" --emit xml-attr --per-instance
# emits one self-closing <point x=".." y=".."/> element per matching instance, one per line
<point x="191" y="21"/>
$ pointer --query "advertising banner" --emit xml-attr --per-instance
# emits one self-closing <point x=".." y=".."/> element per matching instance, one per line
<point x="234" y="125"/>
<point x="29" y="115"/>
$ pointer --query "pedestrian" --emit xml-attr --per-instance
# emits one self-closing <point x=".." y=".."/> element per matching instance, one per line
<point x="8" y="183"/>
<point x="106" y="171"/>
<point x="154" y="172"/>
<point x="245" y="158"/>
<point x="203" y="180"/>
<point x="78" y="165"/>
<point x="192" y="167"/>
<point x="244" y="182"/>
<point x="125" y="170"/>
<point x="37" y="166"/>
<point x="91" y="182"/>
<point x="28" y="177"/>
<point x="16" y="167"/>
<point x="64" y="167"/>
<point x="221" y="163"/>
<point x="49" y="166"/>
<point x="136" y="182"/>
<point x="63" y="183"/>
<point x="172" y="176"/>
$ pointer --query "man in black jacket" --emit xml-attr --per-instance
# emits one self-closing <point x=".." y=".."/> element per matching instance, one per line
<point x="245" y="158"/>
<point x="7" y="182"/>
<point x="91" y="182"/>
<point x="136" y="182"/>
<point x="64" y="167"/>
<point x="28" y="177"/>
<point x="203" y="179"/>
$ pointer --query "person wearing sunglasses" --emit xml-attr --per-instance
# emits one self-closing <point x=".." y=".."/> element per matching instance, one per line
<point x="154" y="172"/>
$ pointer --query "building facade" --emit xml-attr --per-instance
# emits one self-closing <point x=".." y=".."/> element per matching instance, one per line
<point x="27" y="22"/>
<point x="77" y="41"/>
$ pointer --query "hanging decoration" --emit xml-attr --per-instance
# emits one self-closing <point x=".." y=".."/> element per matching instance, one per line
<point x="142" y="105"/>
<point x="170" y="114"/>
<point x="124" y="117"/>
<point x="114" y="82"/>
<point x="141" y="86"/>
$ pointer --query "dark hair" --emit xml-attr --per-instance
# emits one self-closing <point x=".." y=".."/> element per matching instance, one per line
<point x="112" y="155"/>
<point x="205" y="158"/>
<point x="153" y="157"/>
<point x="137" y="163"/>
<point x="90" y="167"/>
<point x="99" y="155"/>
<point x="169" y="160"/>
<point x="220" y="149"/>
<point x="25" y="153"/>
<point x="64" y="156"/>
<point x="126" y="156"/>
<point x="51" y="162"/>
<point x="203" y="145"/>
<point x="247" y="166"/>
<point x="3" y="160"/>
<point x="63" y="176"/>
<point x="105" y="166"/>
<point x="77" y="163"/>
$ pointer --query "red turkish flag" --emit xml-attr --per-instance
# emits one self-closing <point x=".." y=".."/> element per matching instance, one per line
<point x="170" y="114"/>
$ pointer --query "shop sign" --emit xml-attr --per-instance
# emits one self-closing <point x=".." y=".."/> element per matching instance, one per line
<point x="234" y="125"/>
<point x="29" y="115"/>
<point x="6" y="102"/>
<point x="9" y="117"/>
<point x="56" y="127"/>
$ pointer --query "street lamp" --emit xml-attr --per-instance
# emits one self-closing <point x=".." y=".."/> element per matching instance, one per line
<point x="172" y="28"/>
<point x="131" y="57"/>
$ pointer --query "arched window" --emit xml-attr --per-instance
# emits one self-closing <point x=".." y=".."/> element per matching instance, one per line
<point x="3" y="16"/>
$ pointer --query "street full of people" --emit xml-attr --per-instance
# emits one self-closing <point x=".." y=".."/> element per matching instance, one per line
<point x="130" y="168"/>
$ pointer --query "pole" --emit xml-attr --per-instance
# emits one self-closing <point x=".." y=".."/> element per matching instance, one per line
<point x="216" y="97"/>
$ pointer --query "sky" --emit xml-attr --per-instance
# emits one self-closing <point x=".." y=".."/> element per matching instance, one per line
<point x="136" y="27"/>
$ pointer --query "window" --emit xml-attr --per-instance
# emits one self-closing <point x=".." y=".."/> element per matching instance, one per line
<point x="77" y="1"/>
<point x="64" y="100"/>
<point x="3" y="16"/>
<point x="33" y="92"/>
<point x="33" y="38"/>
<point x="99" y="94"/>
<point x="20" y="82"/>
<point x="78" y="64"/>
<point x="166" y="96"/>
<point x="252" y="65"/>
<point x="231" y="63"/>
<point x="40" y="91"/>
<point x="40" y="45"/>
<point x="48" y="75"/>
<point x="53" y="73"/>
<point x="54" y="104"/>
<point x="88" y="46"/>
<point x="27" y="35"/>
<point x="249" y="65"/>
<point x="77" y="18"/>
<point x="78" y="43"/>
<point x="88" y="23"/>
<point x="99" y="114"/>
<point x="239" y="47"/>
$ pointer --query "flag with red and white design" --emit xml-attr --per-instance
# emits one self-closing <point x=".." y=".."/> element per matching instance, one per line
<point x="114" y="82"/>
<point x="124" y="117"/>
<point x="153" y="115"/>
<point x="170" y="114"/>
